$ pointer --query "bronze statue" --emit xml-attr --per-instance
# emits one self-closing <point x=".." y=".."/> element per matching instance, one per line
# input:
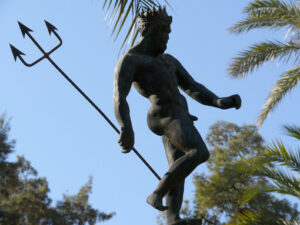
<point x="157" y="77"/>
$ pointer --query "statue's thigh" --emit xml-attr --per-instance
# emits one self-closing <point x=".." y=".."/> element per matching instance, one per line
<point x="183" y="135"/>
<point x="172" y="152"/>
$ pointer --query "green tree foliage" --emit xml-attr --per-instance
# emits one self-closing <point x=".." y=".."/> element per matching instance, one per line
<point x="271" y="14"/>
<point x="280" y="165"/>
<point x="220" y="193"/>
<point x="24" y="196"/>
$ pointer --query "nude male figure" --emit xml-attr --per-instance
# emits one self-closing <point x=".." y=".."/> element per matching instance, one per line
<point x="157" y="77"/>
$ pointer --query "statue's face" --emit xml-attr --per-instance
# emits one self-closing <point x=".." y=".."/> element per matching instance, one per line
<point x="159" y="36"/>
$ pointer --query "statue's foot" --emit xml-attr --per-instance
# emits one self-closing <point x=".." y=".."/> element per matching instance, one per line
<point x="156" y="201"/>
<point x="187" y="222"/>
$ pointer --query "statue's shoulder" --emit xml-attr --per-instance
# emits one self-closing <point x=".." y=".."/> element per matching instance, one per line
<point x="168" y="56"/>
<point x="128" y="59"/>
<point x="127" y="63"/>
<point x="171" y="59"/>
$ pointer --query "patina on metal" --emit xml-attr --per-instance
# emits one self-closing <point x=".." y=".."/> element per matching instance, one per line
<point x="158" y="76"/>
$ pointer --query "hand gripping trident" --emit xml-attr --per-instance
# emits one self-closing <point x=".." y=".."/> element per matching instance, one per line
<point x="46" y="55"/>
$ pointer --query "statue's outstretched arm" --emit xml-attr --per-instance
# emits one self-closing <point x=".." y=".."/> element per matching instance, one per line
<point x="200" y="93"/>
<point x="123" y="77"/>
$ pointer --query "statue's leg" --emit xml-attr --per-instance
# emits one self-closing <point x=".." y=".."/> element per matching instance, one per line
<point x="175" y="196"/>
<point x="183" y="135"/>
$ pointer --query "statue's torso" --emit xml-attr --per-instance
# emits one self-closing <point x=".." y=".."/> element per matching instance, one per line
<point x="155" y="78"/>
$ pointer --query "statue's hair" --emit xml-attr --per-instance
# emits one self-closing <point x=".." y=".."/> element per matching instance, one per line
<point x="153" y="17"/>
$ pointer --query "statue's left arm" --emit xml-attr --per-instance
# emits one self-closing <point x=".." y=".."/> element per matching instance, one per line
<point x="200" y="93"/>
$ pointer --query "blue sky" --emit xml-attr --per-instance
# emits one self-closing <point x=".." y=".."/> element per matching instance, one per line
<point x="67" y="141"/>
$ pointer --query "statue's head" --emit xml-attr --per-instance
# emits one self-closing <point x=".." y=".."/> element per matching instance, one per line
<point x="155" y="26"/>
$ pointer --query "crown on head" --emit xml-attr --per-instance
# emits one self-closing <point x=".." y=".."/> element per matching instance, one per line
<point x="154" y="16"/>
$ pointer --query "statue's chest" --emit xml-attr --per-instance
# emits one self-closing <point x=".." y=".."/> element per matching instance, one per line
<point x="159" y="69"/>
<point x="166" y="63"/>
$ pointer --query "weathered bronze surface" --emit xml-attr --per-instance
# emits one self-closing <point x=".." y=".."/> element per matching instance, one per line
<point x="157" y="76"/>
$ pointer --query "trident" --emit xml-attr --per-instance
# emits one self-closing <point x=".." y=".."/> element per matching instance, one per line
<point x="46" y="55"/>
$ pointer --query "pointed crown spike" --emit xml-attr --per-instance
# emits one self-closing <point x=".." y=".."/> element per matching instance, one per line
<point x="155" y="16"/>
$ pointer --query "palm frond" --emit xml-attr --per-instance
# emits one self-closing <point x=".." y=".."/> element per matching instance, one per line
<point x="250" y="193"/>
<point x="267" y="165"/>
<point x="277" y="152"/>
<point x="285" y="84"/>
<point x="267" y="4"/>
<point x="284" y="183"/>
<point x="274" y="153"/>
<point x="293" y="131"/>
<point x="247" y="217"/>
<point x="258" y="54"/>
<point x="268" y="13"/>
<point x="119" y="12"/>
<point x="287" y="222"/>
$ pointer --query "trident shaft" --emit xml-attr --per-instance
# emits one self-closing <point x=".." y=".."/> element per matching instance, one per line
<point x="46" y="55"/>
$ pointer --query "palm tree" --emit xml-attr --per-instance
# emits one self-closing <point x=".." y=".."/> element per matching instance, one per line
<point x="282" y="167"/>
<point x="273" y="14"/>
<point x="120" y="11"/>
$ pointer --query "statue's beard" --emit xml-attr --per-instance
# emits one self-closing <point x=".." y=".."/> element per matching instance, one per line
<point x="161" y="47"/>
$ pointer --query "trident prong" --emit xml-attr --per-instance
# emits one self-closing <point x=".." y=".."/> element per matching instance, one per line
<point x="52" y="29"/>
<point x="26" y="31"/>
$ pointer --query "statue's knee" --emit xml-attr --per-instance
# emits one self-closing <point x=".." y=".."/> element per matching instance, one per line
<point x="205" y="155"/>
<point x="201" y="155"/>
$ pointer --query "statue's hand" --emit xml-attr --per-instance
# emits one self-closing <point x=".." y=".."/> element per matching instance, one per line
<point x="233" y="101"/>
<point x="126" y="140"/>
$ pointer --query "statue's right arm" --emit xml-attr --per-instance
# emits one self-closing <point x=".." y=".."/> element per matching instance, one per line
<point x="202" y="94"/>
<point x="123" y="78"/>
